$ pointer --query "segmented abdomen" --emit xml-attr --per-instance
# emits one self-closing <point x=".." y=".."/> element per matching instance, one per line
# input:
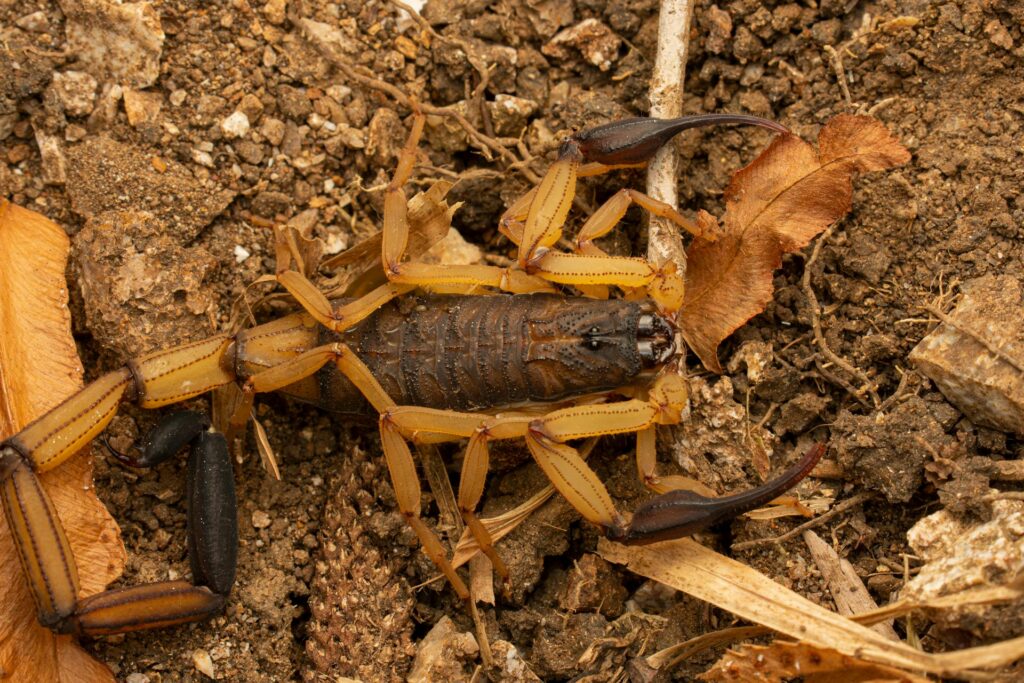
<point x="474" y="352"/>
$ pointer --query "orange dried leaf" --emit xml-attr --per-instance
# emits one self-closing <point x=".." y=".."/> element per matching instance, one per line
<point x="39" y="368"/>
<point x="777" y="204"/>
<point x="781" y="661"/>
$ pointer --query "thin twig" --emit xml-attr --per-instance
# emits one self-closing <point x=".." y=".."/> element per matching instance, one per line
<point x="820" y="519"/>
<point x="840" y="71"/>
<point x="819" y="337"/>
<point x="666" y="95"/>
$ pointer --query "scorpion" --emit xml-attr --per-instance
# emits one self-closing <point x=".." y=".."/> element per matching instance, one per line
<point x="433" y="366"/>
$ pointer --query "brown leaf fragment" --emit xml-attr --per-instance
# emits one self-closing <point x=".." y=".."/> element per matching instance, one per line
<point x="39" y="367"/>
<point x="775" y="205"/>
<point x="782" y="661"/>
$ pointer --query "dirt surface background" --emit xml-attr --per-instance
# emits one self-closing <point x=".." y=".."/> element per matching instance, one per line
<point x="244" y="110"/>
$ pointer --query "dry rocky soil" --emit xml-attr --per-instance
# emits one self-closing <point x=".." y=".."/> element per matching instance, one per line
<point x="213" y="113"/>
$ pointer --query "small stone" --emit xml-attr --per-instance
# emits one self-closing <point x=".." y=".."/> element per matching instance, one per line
<point x="316" y="121"/>
<point x="962" y="554"/>
<point x="55" y="166"/>
<point x="273" y="130"/>
<point x="338" y="93"/>
<point x="598" y="44"/>
<point x="136" y="678"/>
<point x="75" y="132"/>
<point x="76" y="91"/>
<point x="442" y="654"/>
<point x="998" y="35"/>
<point x="18" y="153"/>
<point x="141" y="107"/>
<point x="510" y="114"/>
<point x="7" y="122"/>
<point x="236" y="125"/>
<point x="177" y="97"/>
<point x="989" y="389"/>
<point x="120" y="43"/>
<point x="353" y="138"/>
<point x="105" y="111"/>
<point x="159" y="165"/>
<point x="251" y="106"/>
<point x="203" y="663"/>
<point x="260" y="519"/>
<point x="35" y="22"/>
<point x="275" y="11"/>
<point x="718" y="25"/>
<point x="406" y="47"/>
<point x="241" y="255"/>
<point x="202" y="158"/>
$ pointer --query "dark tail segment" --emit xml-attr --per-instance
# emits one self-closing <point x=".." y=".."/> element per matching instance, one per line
<point x="683" y="513"/>
<point x="635" y="141"/>
<point x="212" y="540"/>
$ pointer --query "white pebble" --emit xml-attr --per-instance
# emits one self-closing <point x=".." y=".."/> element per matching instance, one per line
<point x="241" y="254"/>
<point x="260" y="519"/>
<point x="203" y="663"/>
<point x="202" y="158"/>
<point x="236" y="125"/>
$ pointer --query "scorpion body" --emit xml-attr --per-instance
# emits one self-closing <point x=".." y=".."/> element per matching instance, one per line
<point x="433" y="367"/>
<point x="471" y="352"/>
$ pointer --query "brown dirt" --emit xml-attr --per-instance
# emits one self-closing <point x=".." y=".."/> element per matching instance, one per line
<point x="327" y="569"/>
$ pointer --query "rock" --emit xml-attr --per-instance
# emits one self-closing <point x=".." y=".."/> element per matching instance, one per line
<point x="986" y="386"/>
<point x="718" y="25"/>
<point x="273" y="130"/>
<point x="560" y="641"/>
<point x="442" y="655"/>
<point x="884" y="451"/>
<point x="260" y="519"/>
<point x="52" y="156"/>
<point x="385" y="137"/>
<point x="203" y="663"/>
<point x="867" y="258"/>
<point x="756" y="356"/>
<point x="76" y="91"/>
<point x="452" y="250"/>
<point x="275" y="11"/>
<point x="141" y="107"/>
<point x="959" y="556"/>
<point x="510" y="114"/>
<point x="510" y="662"/>
<point x="35" y="22"/>
<point x="598" y="44"/>
<point x="115" y="42"/>
<point x="106" y="175"/>
<point x="998" y="34"/>
<point x="798" y="414"/>
<point x="105" y="111"/>
<point x="141" y="288"/>
<point x="236" y="125"/>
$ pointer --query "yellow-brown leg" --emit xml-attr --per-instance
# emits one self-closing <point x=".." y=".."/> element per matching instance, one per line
<point x="153" y="380"/>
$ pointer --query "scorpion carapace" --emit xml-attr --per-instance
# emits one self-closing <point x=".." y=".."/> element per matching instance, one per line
<point x="430" y="366"/>
<point x="473" y="352"/>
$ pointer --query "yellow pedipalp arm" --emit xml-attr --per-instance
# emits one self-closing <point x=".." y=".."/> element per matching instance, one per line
<point x="573" y="479"/>
<point x="577" y="269"/>
<point x="548" y="210"/>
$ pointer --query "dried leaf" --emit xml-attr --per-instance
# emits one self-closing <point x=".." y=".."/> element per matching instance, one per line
<point x="775" y="205"/>
<point x="39" y="367"/>
<point x="782" y="661"/>
<point x="701" y="572"/>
